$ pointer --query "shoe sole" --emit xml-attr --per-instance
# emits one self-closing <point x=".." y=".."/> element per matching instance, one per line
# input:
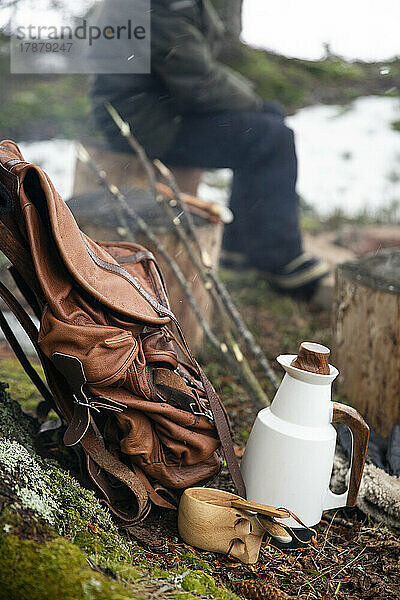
<point x="298" y="280"/>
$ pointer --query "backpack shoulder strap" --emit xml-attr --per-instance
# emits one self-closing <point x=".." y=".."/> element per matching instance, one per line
<point x="221" y="420"/>
<point x="29" y="327"/>
<point x="224" y="433"/>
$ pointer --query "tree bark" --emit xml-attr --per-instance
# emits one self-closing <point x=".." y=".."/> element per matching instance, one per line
<point x="367" y="337"/>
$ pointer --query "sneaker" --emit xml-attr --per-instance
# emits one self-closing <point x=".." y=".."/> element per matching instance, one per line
<point x="301" y="276"/>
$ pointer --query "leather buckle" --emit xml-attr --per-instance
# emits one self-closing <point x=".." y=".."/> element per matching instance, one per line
<point x="88" y="404"/>
<point x="207" y="412"/>
<point x="72" y="369"/>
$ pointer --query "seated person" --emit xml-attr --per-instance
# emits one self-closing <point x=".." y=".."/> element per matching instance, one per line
<point x="193" y="111"/>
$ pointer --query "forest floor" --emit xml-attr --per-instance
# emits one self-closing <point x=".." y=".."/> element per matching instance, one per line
<point x="76" y="552"/>
<point x="353" y="557"/>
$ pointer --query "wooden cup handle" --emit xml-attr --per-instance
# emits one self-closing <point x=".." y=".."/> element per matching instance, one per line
<point x="360" y="430"/>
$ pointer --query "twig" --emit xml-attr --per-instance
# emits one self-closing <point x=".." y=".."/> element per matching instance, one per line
<point x="125" y="131"/>
<point x="202" y="265"/>
<point x="166" y="587"/>
<point x="248" y="337"/>
<point x="247" y="377"/>
<point x="326" y="534"/>
<point x="144" y="228"/>
<point x="350" y="563"/>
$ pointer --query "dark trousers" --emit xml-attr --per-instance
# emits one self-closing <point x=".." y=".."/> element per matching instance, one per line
<point x="260" y="150"/>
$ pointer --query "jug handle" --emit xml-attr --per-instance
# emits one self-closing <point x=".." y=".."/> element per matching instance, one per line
<point x="360" y="432"/>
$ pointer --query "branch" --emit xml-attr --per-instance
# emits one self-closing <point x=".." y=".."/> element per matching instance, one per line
<point x="203" y="267"/>
<point x="119" y="197"/>
<point x="248" y="337"/>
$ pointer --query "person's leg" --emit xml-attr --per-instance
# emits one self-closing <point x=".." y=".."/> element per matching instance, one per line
<point x="265" y="205"/>
<point x="259" y="148"/>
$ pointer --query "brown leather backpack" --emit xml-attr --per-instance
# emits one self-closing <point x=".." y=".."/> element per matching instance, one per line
<point x="148" y="420"/>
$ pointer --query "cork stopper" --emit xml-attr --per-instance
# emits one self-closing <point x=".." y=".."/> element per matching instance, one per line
<point x="312" y="357"/>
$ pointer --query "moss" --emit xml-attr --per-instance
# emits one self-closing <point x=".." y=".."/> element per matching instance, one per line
<point x="330" y="69"/>
<point x="52" y="108"/>
<point x="76" y="505"/>
<point x="182" y="596"/>
<point x="203" y="584"/>
<point x="21" y="387"/>
<point x="270" y="80"/>
<point x="311" y="223"/>
<point x="190" y="559"/>
<point x="14" y="424"/>
<point x="24" y="526"/>
<point x="49" y="492"/>
<point x="396" y="125"/>
<point x="295" y="83"/>
<point x="58" y="499"/>
<point x="26" y="478"/>
<point x="55" y="569"/>
<point x="49" y="567"/>
<point x="123" y="570"/>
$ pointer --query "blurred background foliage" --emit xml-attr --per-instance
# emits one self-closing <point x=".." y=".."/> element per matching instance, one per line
<point x="40" y="107"/>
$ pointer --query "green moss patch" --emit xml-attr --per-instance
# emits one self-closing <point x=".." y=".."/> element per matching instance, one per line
<point x="204" y="585"/>
<point x="49" y="492"/>
<point x="21" y="387"/>
<point x="295" y="83"/>
<point x="55" y="569"/>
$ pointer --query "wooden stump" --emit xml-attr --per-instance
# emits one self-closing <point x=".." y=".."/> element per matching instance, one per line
<point x="97" y="218"/>
<point x="125" y="170"/>
<point x="367" y="336"/>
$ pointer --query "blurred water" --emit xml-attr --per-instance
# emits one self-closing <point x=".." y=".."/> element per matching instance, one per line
<point x="349" y="158"/>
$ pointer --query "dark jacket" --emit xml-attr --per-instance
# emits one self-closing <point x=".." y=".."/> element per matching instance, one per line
<point x="185" y="78"/>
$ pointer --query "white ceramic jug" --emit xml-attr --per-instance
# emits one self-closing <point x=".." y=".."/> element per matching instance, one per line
<point x="289" y="455"/>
